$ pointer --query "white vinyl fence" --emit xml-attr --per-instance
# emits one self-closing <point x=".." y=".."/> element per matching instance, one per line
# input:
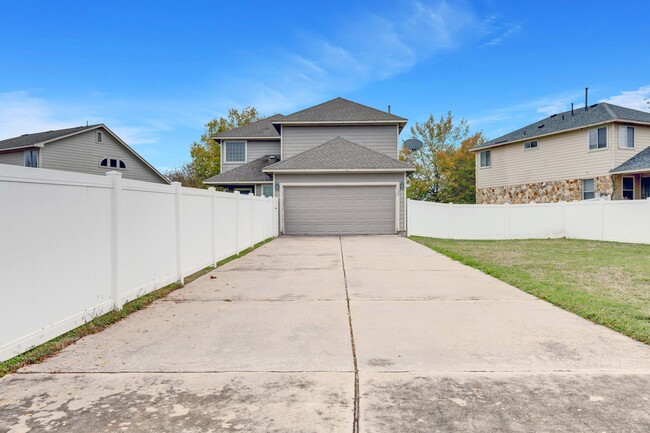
<point x="605" y="220"/>
<point x="74" y="246"/>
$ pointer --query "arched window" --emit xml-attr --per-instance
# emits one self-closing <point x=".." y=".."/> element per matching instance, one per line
<point x="113" y="163"/>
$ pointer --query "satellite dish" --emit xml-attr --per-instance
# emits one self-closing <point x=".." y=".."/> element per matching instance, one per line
<point x="413" y="144"/>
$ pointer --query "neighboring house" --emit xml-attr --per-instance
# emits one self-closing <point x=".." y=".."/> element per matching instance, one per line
<point x="596" y="151"/>
<point x="92" y="149"/>
<point x="334" y="167"/>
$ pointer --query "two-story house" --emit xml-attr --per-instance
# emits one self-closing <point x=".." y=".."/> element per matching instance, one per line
<point x="334" y="167"/>
<point x="92" y="149"/>
<point x="596" y="151"/>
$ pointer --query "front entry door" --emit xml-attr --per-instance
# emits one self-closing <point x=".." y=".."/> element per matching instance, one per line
<point x="645" y="187"/>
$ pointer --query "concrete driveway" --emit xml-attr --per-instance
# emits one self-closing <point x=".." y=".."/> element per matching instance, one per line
<point x="265" y="344"/>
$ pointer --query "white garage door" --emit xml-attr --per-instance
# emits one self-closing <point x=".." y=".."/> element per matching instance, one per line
<point x="334" y="210"/>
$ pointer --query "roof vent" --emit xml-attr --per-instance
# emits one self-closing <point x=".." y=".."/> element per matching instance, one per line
<point x="24" y="135"/>
<point x="553" y="115"/>
<point x="593" y="105"/>
<point x="540" y="126"/>
<point x="273" y="157"/>
<point x="499" y="142"/>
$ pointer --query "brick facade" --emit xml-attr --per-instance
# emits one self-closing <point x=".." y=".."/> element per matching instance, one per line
<point x="542" y="192"/>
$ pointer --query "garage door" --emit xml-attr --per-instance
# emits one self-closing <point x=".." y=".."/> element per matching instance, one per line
<point x="334" y="210"/>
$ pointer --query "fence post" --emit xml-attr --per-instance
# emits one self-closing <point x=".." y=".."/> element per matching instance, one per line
<point x="116" y="178"/>
<point x="563" y="206"/>
<point x="237" y="194"/>
<point x="450" y="219"/>
<point x="213" y="222"/>
<point x="602" y="219"/>
<point x="252" y="197"/>
<point x="177" y="200"/>
<point x="408" y="217"/>
<point x="506" y="218"/>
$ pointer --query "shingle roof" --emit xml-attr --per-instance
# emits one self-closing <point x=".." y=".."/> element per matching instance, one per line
<point x="639" y="162"/>
<point x="251" y="172"/>
<point x="597" y="113"/>
<point x="340" y="154"/>
<point x="28" y="140"/>
<point x="341" y="110"/>
<point x="262" y="128"/>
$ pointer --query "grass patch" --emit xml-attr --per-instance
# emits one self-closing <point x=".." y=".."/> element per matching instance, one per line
<point x="50" y="348"/>
<point x="605" y="282"/>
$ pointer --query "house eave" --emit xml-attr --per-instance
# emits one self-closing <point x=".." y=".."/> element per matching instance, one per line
<point x="534" y="137"/>
<point x="13" y="149"/>
<point x="340" y="170"/>
<point x="634" y="171"/>
<point x="244" y="138"/>
<point x="250" y="182"/>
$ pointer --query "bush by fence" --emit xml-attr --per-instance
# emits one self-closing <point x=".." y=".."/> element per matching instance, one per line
<point x="73" y="246"/>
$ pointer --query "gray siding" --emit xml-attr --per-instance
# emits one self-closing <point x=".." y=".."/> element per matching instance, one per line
<point x="350" y="178"/>
<point x="13" y="158"/>
<point x="297" y="139"/>
<point x="81" y="153"/>
<point x="255" y="149"/>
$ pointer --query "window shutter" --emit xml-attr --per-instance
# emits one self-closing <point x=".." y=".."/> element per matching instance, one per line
<point x="593" y="138"/>
<point x="622" y="137"/>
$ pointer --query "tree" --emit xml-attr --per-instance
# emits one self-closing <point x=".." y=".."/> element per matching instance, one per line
<point x="205" y="153"/>
<point x="457" y="170"/>
<point x="443" y="148"/>
<point x="186" y="176"/>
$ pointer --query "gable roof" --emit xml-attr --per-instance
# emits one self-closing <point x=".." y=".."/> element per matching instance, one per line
<point x="247" y="173"/>
<point x="339" y="154"/>
<point x="39" y="139"/>
<point x="340" y="110"/>
<point x="602" y="112"/>
<point x="639" y="162"/>
<point x="262" y="128"/>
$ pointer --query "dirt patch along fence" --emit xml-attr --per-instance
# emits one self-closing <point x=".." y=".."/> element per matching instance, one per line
<point x="604" y="220"/>
<point x="74" y="246"/>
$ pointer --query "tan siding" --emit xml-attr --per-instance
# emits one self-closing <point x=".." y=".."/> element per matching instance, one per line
<point x="361" y="178"/>
<point x="562" y="156"/>
<point x="13" y="158"/>
<point x="297" y="139"/>
<point x="641" y="142"/>
<point x="81" y="153"/>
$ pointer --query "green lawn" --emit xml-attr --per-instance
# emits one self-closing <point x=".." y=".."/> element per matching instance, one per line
<point x="605" y="282"/>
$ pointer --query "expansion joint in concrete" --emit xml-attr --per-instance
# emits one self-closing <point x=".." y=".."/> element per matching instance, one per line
<point x="355" y="422"/>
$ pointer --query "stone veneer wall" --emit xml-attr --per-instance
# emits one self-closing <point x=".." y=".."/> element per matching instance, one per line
<point x="542" y="192"/>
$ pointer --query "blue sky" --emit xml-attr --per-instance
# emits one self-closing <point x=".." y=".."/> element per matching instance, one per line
<point x="155" y="72"/>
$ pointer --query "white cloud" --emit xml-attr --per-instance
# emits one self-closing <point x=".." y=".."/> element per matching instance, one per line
<point x="505" y="33"/>
<point x="365" y="48"/>
<point x="636" y="99"/>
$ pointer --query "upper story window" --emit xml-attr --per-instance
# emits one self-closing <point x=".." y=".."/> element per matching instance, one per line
<point x="113" y="163"/>
<point x="31" y="158"/>
<point x="598" y="138"/>
<point x="486" y="158"/>
<point x="530" y="145"/>
<point x="235" y="151"/>
<point x="626" y="137"/>
<point x="100" y="137"/>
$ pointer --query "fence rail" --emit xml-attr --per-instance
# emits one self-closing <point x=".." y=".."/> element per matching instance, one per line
<point x="74" y="246"/>
<point x="605" y="220"/>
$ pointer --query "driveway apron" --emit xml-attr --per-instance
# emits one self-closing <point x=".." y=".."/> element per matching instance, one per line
<point x="329" y="334"/>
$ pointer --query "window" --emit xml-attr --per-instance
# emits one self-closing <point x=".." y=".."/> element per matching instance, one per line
<point x="598" y="138"/>
<point x="100" y="136"/>
<point x="588" y="189"/>
<point x="31" y="158"/>
<point x="486" y="158"/>
<point x="530" y="145"/>
<point x="235" y="151"/>
<point x="626" y="137"/>
<point x="113" y="163"/>
<point x="267" y="190"/>
<point x="244" y="191"/>
<point x="628" y="188"/>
